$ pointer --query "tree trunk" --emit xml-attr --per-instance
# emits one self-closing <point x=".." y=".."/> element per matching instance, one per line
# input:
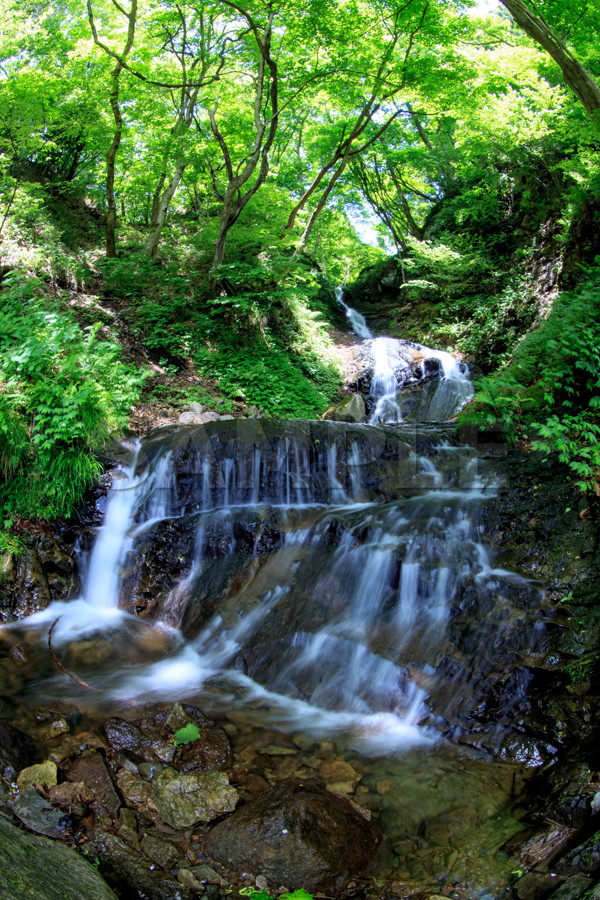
<point x="162" y="207"/>
<point x="581" y="82"/>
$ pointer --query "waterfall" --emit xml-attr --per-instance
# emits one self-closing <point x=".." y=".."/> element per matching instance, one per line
<point x="383" y="385"/>
<point x="312" y="570"/>
<point x="356" y="320"/>
<point x="307" y="572"/>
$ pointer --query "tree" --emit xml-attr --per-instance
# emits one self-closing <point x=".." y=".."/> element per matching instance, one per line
<point x="578" y="78"/>
<point x="242" y="180"/>
<point x="114" y="100"/>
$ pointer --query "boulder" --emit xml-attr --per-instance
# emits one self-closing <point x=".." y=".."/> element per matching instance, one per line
<point x="296" y="834"/>
<point x="185" y="800"/>
<point x="35" y="868"/>
<point x="352" y="409"/>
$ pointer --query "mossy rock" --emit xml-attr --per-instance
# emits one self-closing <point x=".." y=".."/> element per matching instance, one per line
<point x="35" y="867"/>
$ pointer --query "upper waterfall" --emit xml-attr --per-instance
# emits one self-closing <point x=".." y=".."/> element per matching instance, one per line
<point x="409" y="380"/>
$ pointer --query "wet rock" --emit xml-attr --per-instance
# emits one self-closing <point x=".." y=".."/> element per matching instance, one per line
<point x="18" y="654"/>
<point x="298" y="835"/>
<point x="352" y="409"/>
<point x="531" y="849"/>
<point x="339" y="775"/>
<point x="17" y="751"/>
<point x="185" y="800"/>
<point x="573" y="888"/>
<point x="203" y="873"/>
<point x="93" y="772"/>
<point x="39" y="815"/>
<point x="536" y="885"/>
<point x="73" y="798"/>
<point x="582" y="859"/>
<point x="130" y="872"/>
<point x="525" y="750"/>
<point x="57" y="726"/>
<point x="137" y="793"/>
<point x="43" y="774"/>
<point x="160" y="851"/>
<point x="126" y="736"/>
<point x="43" y="572"/>
<point x="66" y="875"/>
<point x="151" y="740"/>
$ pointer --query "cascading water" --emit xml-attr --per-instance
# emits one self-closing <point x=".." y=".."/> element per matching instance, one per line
<point x="383" y="385"/>
<point x="356" y="320"/>
<point x="286" y="588"/>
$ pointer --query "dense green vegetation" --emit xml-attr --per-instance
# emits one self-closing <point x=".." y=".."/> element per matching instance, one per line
<point x="179" y="183"/>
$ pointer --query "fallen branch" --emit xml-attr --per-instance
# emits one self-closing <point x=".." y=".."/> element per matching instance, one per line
<point x="63" y="668"/>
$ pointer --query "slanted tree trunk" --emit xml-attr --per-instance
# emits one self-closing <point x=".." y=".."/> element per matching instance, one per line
<point x="244" y="182"/>
<point x="161" y="211"/>
<point x="581" y="82"/>
<point x="114" y="99"/>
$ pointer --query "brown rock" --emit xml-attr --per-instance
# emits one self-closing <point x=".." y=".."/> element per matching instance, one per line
<point x="72" y="797"/>
<point x="93" y="771"/>
<point x="296" y="834"/>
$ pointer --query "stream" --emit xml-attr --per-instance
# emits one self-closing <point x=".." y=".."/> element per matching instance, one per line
<point x="325" y="590"/>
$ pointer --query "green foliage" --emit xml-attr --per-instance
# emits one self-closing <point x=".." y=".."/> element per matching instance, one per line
<point x="161" y="304"/>
<point x="186" y="735"/>
<point x="549" y="391"/>
<point x="262" y="339"/>
<point x="255" y="894"/>
<point x="63" y="392"/>
<point x="485" y="328"/>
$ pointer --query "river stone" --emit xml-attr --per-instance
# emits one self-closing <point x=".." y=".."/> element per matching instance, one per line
<point x="45" y="773"/>
<point x="132" y="874"/>
<point x="17" y="751"/>
<point x="93" y="772"/>
<point x="191" y="418"/>
<point x="185" y="800"/>
<point x="151" y="739"/>
<point x="72" y="797"/>
<point x="573" y="888"/>
<point x="352" y="409"/>
<point x="34" y="868"/>
<point x="38" y="815"/>
<point x="296" y="834"/>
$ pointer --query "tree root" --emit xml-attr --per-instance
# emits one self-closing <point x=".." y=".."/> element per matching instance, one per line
<point x="63" y="668"/>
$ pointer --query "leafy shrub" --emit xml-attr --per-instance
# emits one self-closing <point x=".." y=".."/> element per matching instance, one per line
<point x="63" y="392"/>
<point x="549" y="391"/>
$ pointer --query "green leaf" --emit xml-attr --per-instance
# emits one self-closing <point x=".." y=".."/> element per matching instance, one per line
<point x="186" y="735"/>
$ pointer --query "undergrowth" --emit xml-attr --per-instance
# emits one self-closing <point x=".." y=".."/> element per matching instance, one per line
<point x="262" y="338"/>
<point x="63" y="392"/>
<point x="549" y="391"/>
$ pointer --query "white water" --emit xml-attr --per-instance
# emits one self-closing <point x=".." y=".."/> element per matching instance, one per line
<point x="357" y="321"/>
<point x="387" y="583"/>
<point x="383" y="385"/>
